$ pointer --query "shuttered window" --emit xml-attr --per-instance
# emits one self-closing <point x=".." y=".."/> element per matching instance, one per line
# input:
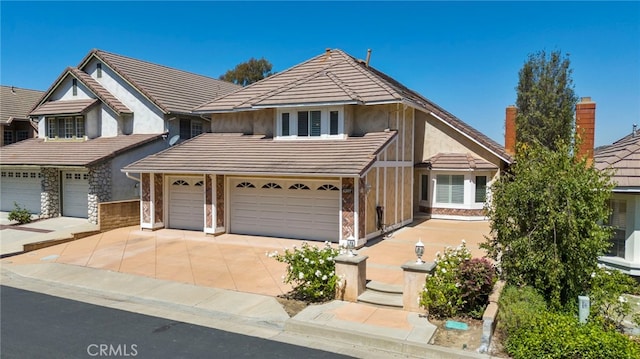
<point x="450" y="189"/>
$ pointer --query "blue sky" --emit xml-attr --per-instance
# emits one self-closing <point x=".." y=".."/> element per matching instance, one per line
<point x="465" y="56"/>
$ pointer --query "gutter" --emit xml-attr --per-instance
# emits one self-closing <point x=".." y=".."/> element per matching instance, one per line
<point x="131" y="177"/>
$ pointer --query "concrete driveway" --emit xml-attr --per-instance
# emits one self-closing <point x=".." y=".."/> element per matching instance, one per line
<point x="13" y="236"/>
<point x="239" y="262"/>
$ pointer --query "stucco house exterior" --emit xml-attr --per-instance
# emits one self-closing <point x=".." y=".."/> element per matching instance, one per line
<point x="15" y="104"/>
<point x="329" y="149"/>
<point x="97" y="117"/>
<point x="623" y="156"/>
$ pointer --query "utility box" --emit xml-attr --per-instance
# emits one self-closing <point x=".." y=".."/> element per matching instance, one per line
<point x="584" y="306"/>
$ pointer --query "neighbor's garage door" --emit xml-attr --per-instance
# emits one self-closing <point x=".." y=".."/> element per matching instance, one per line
<point x="22" y="187"/>
<point x="186" y="203"/>
<point x="75" y="194"/>
<point x="289" y="209"/>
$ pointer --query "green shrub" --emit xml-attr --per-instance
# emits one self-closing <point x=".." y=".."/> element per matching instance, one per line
<point x="609" y="306"/>
<point x="19" y="214"/>
<point x="518" y="307"/>
<point x="311" y="271"/>
<point x="559" y="335"/>
<point x="442" y="294"/>
<point x="477" y="277"/>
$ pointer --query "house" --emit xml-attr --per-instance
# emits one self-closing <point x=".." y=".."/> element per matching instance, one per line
<point x="15" y="104"/>
<point x="95" y="118"/>
<point x="623" y="156"/>
<point x="330" y="149"/>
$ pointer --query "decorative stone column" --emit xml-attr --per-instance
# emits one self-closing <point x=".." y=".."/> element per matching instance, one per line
<point x="415" y="276"/>
<point x="50" y="193"/>
<point x="99" y="188"/>
<point x="353" y="271"/>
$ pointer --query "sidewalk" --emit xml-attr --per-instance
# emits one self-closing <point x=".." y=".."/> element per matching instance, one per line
<point x="228" y="282"/>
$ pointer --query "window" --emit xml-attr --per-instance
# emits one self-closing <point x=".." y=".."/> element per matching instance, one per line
<point x="327" y="187"/>
<point x="424" y="187"/>
<point x="272" y="185"/>
<point x="8" y="137"/>
<point x="65" y="127"/>
<point x="22" y="135"/>
<point x="99" y="70"/>
<point x="245" y="185"/>
<point x="333" y="122"/>
<point x="75" y="87"/>
<point x="309" y="124"/>
<point x="190" y="128"/>
<point x="180" y="183"/>
<point x="450" y="189"/>
<point x="298" y="186"/>
<point x="285" y="124"/>
<point x="618" y="221"/>
<point x="481" y="189"/>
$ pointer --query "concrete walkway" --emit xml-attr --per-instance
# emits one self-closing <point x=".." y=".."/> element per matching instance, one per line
<point x="228" y="282"/>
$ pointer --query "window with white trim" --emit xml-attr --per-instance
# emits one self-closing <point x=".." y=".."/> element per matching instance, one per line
<point x="618" y="222"/>
<point x="8" y="137"/>
<point x="424" y="187"/>
<point x="450" y="189"/>
<point x="310" y="123"/>
<point x="65" y="127"/>
<point x="481" y="189"/>
<point x="190" y="128"/>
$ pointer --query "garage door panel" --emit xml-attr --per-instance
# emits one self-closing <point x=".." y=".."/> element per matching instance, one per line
<point x="186" y="203"/>
<point x="24" y="190"/>
<point x="75" y="194"/>
<point x="283" y="212"/>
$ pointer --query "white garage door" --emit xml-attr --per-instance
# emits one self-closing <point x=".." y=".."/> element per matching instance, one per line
<point x="75" y="194"/>
<point x="186" y="203"/>
<point x="289" y="209"/>
<point x="22" y="187"/>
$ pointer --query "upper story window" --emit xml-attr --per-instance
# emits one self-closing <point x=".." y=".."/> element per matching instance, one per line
<point x="99" y="70"/>
<point x="65" y="127"/>
<point x="311" y="123"/>
<point x="190" y="128"/>
<point x="75" y="87"/>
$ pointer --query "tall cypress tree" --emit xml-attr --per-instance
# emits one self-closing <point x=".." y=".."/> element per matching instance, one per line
<point x="546" y="101"/>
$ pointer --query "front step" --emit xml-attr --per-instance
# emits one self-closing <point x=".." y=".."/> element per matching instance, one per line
<point x="382" y="295"/>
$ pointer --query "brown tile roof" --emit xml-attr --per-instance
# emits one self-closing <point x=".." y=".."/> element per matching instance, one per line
<point x="624" y="157"/>
<point x="37" y="151"/>
<point x="457" y="161"/>
<point x="256" y="155"/>
<point x="64" y="107"/>
<point x="337" y="78"/>
<point x="15" y="103"/>
<point x="170" y="89"/>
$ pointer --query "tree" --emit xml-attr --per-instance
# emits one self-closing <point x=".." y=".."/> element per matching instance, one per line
<point x="248" y="72"/>
<point x="546" y="101"/>
<point x="545" y="221"/>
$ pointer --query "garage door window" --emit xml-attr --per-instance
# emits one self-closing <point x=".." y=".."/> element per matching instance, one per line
<point x="327" y="187"/>
<point x="299" y="186"/>
<point x="272" y="185"/>
<point x="245" y="185"/>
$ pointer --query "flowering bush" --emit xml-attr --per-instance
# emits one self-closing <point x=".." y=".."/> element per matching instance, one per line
<point x="442" y="294"/>
<point x="477" y="277"/>
<point x="311" y="271"/>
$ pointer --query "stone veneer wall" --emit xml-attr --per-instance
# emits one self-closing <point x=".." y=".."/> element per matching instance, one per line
<point x="99" y="188"/>
<point x="347" y="208"/>
<point x="50" y="193"/>
<point x="453" y="211"/>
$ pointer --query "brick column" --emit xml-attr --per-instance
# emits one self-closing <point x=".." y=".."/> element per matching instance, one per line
<point x="510" y="130"/>
<point x="585" y="128"/>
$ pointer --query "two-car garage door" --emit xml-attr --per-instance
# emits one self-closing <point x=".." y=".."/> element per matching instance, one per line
<point x="285" y="208"/>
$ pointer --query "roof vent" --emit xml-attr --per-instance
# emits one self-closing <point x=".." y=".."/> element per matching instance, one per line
<point x="368" y="57"/>
<point x="635" y="130"/>
<point x="327" y="55"/>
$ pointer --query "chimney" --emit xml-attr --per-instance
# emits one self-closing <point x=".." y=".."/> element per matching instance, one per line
<point x="585" y="128"/>
<point x="510" y="130"/>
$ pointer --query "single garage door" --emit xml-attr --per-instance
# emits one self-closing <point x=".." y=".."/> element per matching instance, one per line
<point x="75" y="194"/>
<point x="22" y="187"/>
<point x="289" y="209"/>
<point x="186" y="203"/>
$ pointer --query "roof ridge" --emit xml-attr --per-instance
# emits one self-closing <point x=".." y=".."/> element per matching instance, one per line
<point x="258" y="82"/>
<point x="367" y="72"/>
<point x="290" y="85"/>
<point x="343" y="86"/>
<point x="100" y="91"/>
